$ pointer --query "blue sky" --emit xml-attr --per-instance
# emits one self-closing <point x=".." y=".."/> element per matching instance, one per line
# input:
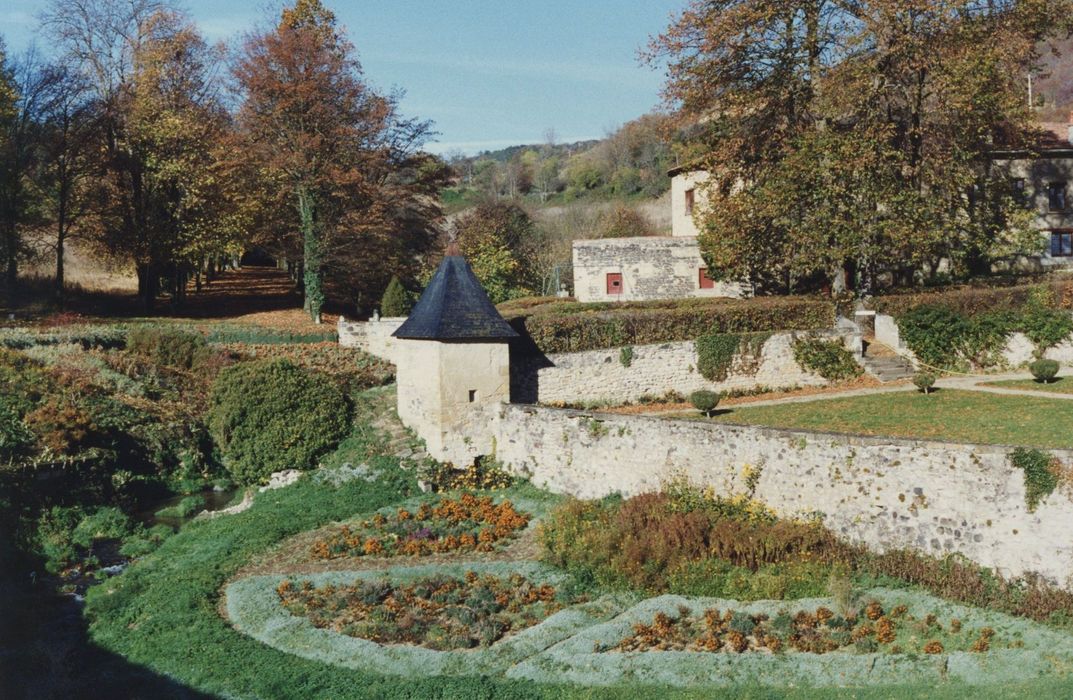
<point x="489" y="74"/>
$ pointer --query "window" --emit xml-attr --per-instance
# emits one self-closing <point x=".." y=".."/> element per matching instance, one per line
<point x="472" y="395"/>
<point x="1056" y="196"/>
<point x="1061" y="243"/>
<point x="706" y="282"/>
<point x="1017" y="188"/>
<point x="690" y="198"/>
<point x="614" y="283"/>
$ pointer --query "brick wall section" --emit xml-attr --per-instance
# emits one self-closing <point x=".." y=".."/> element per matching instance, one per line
<point x="934" y="497"/>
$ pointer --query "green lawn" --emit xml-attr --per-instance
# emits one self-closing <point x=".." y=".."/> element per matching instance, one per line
<point x="1062" y="385"/>
<point x="962" y="416"/>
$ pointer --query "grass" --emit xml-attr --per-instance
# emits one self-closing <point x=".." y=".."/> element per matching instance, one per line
<point x="1061" y="385"/>
<point x="959" y="416"/>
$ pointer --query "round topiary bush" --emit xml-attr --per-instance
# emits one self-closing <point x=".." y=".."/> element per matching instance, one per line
<point x="1044" y="370"/>
<point x="704" y="401"/>
<point x="924" y="381"/>
<point x="271" y="415"/>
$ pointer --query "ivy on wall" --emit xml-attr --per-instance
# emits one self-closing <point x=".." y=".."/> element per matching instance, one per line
<point x="716" y="353"/>
<point x="1041" y="474"/>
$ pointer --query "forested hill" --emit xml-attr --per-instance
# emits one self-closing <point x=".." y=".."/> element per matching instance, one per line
<point x="630" y="163"/>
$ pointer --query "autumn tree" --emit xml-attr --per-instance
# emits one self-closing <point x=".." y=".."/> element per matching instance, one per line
<point x="337" y="154"/>
<point x="162" y="120"/>
<point x="852" y="138"/>
<point x="492" y="236"/>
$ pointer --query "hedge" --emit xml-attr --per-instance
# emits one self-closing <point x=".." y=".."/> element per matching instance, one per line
<point x="970" y="301"/>
<point x="576" y="327"/>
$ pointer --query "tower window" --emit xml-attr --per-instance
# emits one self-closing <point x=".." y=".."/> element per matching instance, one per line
<point x="690" y="199"/>
<point x="472" y="395"/>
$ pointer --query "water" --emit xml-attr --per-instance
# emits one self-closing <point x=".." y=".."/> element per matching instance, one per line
<point x="214" y="500"/>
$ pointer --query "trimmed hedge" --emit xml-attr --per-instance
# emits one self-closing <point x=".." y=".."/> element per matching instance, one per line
<point x="970" y="301"/>
<point x="567" y="327"/>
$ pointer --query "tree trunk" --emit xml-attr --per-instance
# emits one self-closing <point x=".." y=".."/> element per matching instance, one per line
<point x="314" y="292"/>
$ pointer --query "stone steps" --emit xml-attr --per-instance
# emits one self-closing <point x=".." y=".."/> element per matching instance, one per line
<point x="889" y="368"/>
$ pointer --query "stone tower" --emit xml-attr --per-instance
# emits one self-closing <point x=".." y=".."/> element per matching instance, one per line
<point x="453" y="360"/>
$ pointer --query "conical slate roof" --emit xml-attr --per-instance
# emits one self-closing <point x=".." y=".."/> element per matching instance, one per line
<point x="454" y="306"/>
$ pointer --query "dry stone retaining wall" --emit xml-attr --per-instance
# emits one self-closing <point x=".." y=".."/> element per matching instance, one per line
<point x="935" y="497"/>
<point x="600" y="375"/>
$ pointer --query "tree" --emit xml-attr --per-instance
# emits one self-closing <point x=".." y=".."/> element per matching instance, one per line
<point x="396" y="300"/>
<point x="162" y="121"/>
<point x="68" y="167"/>
<point x="492" y="237"/>
<point x="333" y="148"/>
<point x="623" y="221"/>
<point x="852" y="138"/>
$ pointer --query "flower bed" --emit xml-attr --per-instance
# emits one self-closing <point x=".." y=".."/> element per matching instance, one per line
<point x="253" y="607"/>
<point x="468" y="523"/>
<point x="816" y="631"/>
<point x="911" y="638"/>
<point x="439" y="612"/>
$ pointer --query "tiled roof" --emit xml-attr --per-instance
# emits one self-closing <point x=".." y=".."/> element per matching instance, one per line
<point x="454" y="306"/>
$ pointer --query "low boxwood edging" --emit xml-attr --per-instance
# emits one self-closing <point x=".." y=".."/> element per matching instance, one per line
<point x="586" y="659"/>
<point x="254" y="609"/>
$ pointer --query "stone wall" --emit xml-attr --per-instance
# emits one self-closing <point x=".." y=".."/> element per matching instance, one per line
<point x="1018" y="352"/>
<point x="652" y="268"/>
<point x="599" y="375"/>
<point x="1037" y="174"/>
<point x="934" y="497"/>
<point x="374" y="337"/>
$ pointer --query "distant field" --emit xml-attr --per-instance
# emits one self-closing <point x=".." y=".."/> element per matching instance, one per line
<point x="83" y="270"/>
<point x="960" y="416"/>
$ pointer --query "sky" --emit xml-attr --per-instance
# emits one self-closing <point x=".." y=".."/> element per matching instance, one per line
<point x="488" y="73"/>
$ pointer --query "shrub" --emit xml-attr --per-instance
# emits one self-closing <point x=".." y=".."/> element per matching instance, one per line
<point x="573" y="327"/>
<point x="972" y="301"/>
<point x="396" y="300"/>
<point x="1044" y="370"/>
<point x="623" y="221"/>
<point x="935" y="334"/>
<point x="1046" y="327"/>
<point x="270" y="415"/>
<point x="827" y="358"/>
<point x="625" y="356"/>
<point x="64" y="427"/>
<point x="15" y="438"/>
<point x="485" y="473"/>
<point x="924" y="381"/>
<point x="101" y="524"/>
<point x="184" y="508"/>
<point x="168" y="347"/>
<point x="704" y="401"/>
<point x="1041" y="476"/>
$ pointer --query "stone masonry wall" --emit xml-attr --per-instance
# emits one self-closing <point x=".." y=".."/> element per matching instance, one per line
<point x="934" y="497"/>
<point x="599" y="375"/>
<point x="651" y="268"/>
<point x="374" y="337"/>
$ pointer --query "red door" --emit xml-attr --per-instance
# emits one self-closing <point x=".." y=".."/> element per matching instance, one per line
<point x="706" y="282"/>
<point x="614" y="283"/>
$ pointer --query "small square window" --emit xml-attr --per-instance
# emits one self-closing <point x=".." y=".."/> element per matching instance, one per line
<point x="472" y="395"/>
<point x="614" y="283"/>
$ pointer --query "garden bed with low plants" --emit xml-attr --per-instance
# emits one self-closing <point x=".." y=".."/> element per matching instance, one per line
<point x="426" y="620"/>
<point x="905" y="637"/>
<point x="464" y="524"/>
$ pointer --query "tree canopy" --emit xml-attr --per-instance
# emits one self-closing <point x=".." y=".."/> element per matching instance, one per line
<point x="847" y="139"/>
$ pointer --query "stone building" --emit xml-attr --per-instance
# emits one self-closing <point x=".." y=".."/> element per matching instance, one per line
<point x="1041" y="177"/>
<point x="652" y="267"/>
<point x="452" y="357"/>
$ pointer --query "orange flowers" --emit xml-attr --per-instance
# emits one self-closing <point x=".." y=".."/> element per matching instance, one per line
<point x="468" y="523"/>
